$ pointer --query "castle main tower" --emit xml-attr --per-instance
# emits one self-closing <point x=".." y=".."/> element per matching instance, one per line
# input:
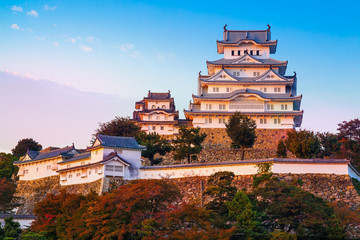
<point x="246" y="80"/>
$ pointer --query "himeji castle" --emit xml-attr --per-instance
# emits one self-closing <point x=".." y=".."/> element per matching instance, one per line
<point x="246" y="80"/>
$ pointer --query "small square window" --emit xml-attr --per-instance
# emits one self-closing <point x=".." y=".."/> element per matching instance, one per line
<point x="153" y="128"/>
<point x="162" y="127"/>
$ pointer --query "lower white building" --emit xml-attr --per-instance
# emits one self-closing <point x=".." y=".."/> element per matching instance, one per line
<point x="109" y="156"/>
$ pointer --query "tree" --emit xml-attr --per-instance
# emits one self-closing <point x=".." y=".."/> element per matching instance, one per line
<point x="120" y="126"/>
<point x="241" y="131"/>
<point x="154" y="145"/>
<point x="281" y="149"/>
<point x="7" y="199"/>
<point x="24" y="145"/>
<point x="12" y="229"/>
<point x="243" y="212"/>
<point x="350" y="130"/>
<point x="188" y="143"/>
<point x="7" y="168"/>
<point x="220" y="190"/>
<point x="302" y="143"/>
<point x="330" y="145"/>
<point x="289" y="209"/>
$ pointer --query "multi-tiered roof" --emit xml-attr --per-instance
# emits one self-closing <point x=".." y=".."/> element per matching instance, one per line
<point x="249" y="81"/>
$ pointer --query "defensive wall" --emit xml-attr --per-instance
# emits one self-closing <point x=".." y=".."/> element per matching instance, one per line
<point x="326" y="178"/>
<point x="217" y="146"/>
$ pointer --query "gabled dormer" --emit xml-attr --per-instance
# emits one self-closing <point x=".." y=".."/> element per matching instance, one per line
<point x="222" y="75"/>
<point x="271" y="75"/>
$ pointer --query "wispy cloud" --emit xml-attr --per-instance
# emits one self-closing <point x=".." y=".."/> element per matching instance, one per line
<point x="16" y="8"/>
<point x="85" y="48"/>
<point x="72" y="40"/>
<point x="92" y="39"/>
<point x="126" y="47"/>
<point x="42" y="39"/>
<point x="15" y="26"/>
<point x="32" y="13"/>
<point x="162" y="56"/>
<point x="30" y="30"/>
<point x="129" y="49"/>
<point x="48" y="8"/>
<point x="56" y="44"/>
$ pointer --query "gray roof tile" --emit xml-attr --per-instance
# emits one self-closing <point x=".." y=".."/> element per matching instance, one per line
<point x="119" y="142"/>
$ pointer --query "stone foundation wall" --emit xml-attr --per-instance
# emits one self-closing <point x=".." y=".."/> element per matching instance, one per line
<point x="330" y="187"/>
<point x="34" y="191"/>
<point x="217" y="146"/>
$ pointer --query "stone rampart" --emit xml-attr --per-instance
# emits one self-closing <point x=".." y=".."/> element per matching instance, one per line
<point x="217" y="146"/>
<point x="330" y="187"/>
<point x="34" y="191"/>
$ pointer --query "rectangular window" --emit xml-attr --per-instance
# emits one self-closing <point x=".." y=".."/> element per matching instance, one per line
<point x="227" y="89"/>
<point x="162" y="127"/>
<point x="265" y="89"/>
<point x="275" y="121"/>
<point x="222" y="106"/>
<point x="272" y="107"/>
<point x="239" y="52"/>
<point x="282" y="106"/>
<point x="78" y="174"/>
<point x="215" y="89"/>
<point x="166" y="118"/>
<point x="257" y="52"/>
<point x="279" y="121"/>
<point x="149" y="117"/>
<point x="109" y="168"/>
<point x="277" y="90"/>
<point x="261" y="121"/>
<point x="157" y="117"/>
<point x="265" y="121"/>
<point x="210" y="106"/>
<point x="206" y="121"/>
<point x="153" y="128"/>
<point x="37" y="169"/>
<point x="210" y="120"/>
<point x="26" y="171"/>
<point x="251" y="52"/>
<point x="70" y="176"/>
<point x="89" y="172"/>
<point x="219" y="120"/>
<point x="285" y="106"/>
<point x="119" y="169"/>
<point x="223" y="120"/>
<point x="232" y="52"/>
<point x="48" y="167"/>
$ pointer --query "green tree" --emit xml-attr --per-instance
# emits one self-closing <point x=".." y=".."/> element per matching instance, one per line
<point x="303" y="143"/>
<point x="120" y="126"/>
<point x="154" y="145"/>
<point x="12" y="229"/>
<point x="241" y="131"/>
<point x="7" y="168"/>
<point x="330" y="145"/>
<point x="188" y="143"/>
<point x="242" y="211"/>
<point x="281" y="149"/>
<point x="220" y="190"/>
<point x="23" y="145"/>
<point x="289" y="209"/>
<point x="33" y="236"/>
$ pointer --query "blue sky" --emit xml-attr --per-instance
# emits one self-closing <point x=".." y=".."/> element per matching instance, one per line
<point x="119" y="50"/>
